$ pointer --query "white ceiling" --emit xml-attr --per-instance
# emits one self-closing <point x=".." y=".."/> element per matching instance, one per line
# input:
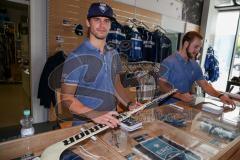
<point x="171" y="8"/>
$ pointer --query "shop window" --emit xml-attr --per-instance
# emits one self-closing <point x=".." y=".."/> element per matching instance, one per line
<point x="224" y="3"/>
<point x="235" y="71"/>
<point x="224" y="45"/>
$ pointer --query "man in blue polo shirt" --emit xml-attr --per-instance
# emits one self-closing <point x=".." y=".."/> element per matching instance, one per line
<point x="90" y="79"/>
<point x="181" y="71"/>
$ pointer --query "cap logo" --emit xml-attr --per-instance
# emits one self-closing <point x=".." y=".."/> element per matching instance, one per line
<point x="103" y="7"/>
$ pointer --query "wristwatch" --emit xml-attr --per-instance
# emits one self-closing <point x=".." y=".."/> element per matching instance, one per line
<point x="220" y="95"/>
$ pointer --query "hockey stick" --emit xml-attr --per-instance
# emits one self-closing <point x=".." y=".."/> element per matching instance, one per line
<point x="54" y="151"/>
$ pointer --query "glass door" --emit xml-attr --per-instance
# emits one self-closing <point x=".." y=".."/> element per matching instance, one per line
<point x="235" y="70"/>
<point x="225" y="37"/>
<point x="14" y="62"/>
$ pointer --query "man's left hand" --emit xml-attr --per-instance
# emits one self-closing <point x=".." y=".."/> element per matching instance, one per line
<point x="226" y="100"/>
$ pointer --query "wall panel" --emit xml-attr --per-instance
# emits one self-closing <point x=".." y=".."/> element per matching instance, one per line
<point x="76" y="11"/>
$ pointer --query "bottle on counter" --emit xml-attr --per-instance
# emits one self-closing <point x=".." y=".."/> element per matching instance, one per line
<point x="27" y="121"/>
<point x="26" y="131"/>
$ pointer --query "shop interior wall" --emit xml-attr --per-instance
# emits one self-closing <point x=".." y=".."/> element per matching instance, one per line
<point x="76" y="11"/>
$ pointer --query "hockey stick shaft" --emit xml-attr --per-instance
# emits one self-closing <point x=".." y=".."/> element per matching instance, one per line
<point x="54" y="151"/>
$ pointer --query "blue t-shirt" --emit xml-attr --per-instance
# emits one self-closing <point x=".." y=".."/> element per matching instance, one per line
<point x="94" y="74"/>
<point x="181" y="74"/>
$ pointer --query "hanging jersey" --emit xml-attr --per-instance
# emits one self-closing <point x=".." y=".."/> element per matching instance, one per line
<point x="136" y="49"/>
<point x="163" y="47"/>
<point x="148" y="44"/>
<point x="211" y="66"/>
<point x="134" y="44"/>
<point x="115" y="36"/>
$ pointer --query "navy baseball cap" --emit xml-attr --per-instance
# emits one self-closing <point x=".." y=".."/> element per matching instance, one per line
<point x="100" y="10"/>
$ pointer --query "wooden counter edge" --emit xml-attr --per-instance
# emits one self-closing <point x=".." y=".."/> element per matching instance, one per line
<point x="16" y="148"/>
<point x="230" y="151"/>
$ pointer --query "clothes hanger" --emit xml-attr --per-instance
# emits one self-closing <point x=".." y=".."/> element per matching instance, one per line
<point x="142" y="24"/>
<point x="134" y="22"/>
<point x="159" y="28"/>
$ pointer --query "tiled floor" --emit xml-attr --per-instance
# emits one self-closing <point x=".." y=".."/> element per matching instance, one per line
<point x="13" y="100"/>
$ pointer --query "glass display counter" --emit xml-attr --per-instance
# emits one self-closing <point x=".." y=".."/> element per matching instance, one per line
<point x="176" y="131"/>
<point x="180" y="131"/>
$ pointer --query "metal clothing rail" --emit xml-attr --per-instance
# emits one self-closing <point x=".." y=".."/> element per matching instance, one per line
<point x="153" y="25"/>
<point x="154" y="19"/>
<point x="128" y="18"/>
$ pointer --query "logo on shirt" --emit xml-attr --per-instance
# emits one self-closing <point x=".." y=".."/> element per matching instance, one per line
<point x="166" y="45"/>
<point x="148" y="44"/>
